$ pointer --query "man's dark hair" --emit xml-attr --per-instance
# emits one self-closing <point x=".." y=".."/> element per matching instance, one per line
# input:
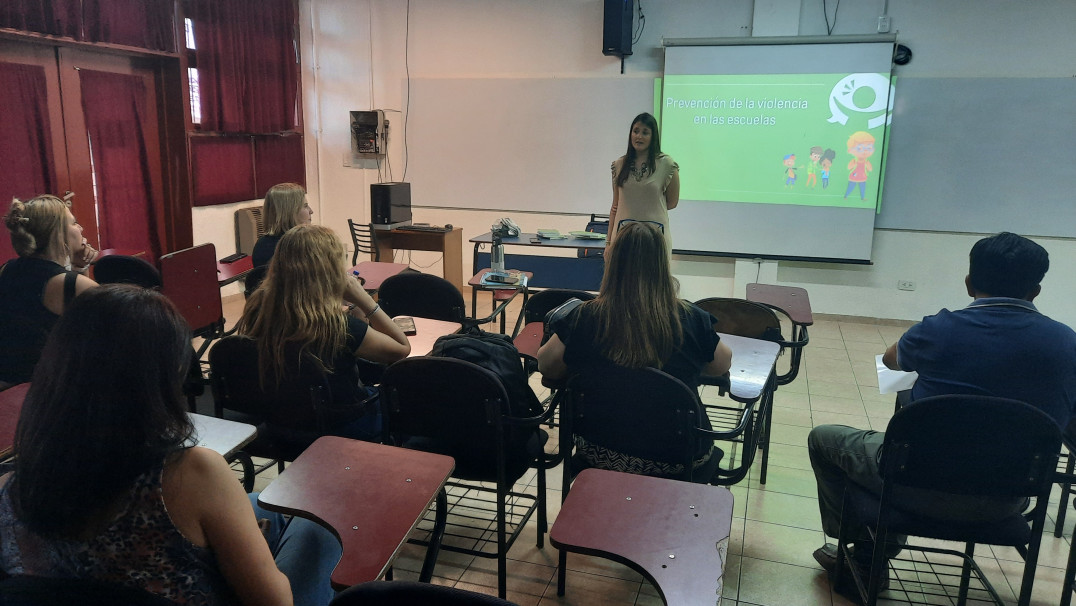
<point x="1007" y="265"/>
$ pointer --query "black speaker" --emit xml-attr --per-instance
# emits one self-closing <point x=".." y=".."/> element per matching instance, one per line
<point x="616" y="39"/>
<point x="390" y="203"/>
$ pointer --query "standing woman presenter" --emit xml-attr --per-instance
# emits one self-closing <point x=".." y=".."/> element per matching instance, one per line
<point x="646" y="182"/>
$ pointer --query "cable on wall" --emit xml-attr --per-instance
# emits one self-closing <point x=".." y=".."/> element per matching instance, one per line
<point x="407" y="74"/>
<point x="825" y="13"/>
<point x="638" y="33"/>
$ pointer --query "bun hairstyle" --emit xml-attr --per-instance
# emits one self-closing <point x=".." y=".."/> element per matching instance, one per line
<point x="37" y="225"/>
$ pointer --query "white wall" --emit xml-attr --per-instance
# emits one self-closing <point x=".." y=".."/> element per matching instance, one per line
<point x="354" y="58"/>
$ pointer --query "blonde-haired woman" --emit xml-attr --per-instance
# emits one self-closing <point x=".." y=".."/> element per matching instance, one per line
<point x="637" y="320"/>
<point x="285" y="207"/>
<point x="36" y="286"/>
<point x="299" y="310"/>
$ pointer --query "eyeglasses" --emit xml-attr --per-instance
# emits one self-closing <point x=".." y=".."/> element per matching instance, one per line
<point x="659" y="225"/>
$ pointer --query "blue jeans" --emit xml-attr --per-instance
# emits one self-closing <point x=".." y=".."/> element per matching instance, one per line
<point x="305" y="552"/>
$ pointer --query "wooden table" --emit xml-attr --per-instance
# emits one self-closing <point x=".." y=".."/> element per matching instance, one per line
<point x="450" y="243"/>
<point x="370" y="495"/>
<point x="676" y="534"/>
<point x="502" y="296"/>
<point x="373" y="273"/>
<point x="10" y="407"/>
<point x="427" y="332"/>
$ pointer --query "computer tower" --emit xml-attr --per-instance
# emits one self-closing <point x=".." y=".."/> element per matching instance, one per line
<point x="390" y="203"/>
<point x="616" y="39"/>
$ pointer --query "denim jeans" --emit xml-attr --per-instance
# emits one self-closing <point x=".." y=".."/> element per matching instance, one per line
<point x="305" y="552"/>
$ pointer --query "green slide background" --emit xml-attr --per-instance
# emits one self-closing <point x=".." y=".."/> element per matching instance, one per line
<point x="744" y="162"/>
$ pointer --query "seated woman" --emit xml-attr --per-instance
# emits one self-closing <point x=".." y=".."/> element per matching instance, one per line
<point x="284" y="207"/>
<point x="36" y="286"/>
<point x="299" y="311"/>
<point x="107" y="487"/>
<point x="636" y="321"/>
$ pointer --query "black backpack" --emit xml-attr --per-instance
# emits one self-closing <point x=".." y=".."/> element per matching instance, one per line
<point x="496" y="353"/>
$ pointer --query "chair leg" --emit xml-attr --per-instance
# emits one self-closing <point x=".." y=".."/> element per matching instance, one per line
<point x="434" y="548"/>
<point x="248" y="470"/>
<point x="1031" y="560"/>
<point x="879" y="567"/>
<point x="1066" y="490"/>
<point x="965" y="574"/>
<point x="543" y="522"/>
<point x="1067" y="584"/>
<point x="502" y="546"/>
<point x="562" y="571"/>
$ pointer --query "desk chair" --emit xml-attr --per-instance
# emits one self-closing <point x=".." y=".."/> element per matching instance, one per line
<point x="289" y="417"/>
<point x="123" y="269"/>
<point x="411" y="293"/>
<point x="755" y="321"/>
<point x="364" y="239"/>
<point x="189" y="279"/>
<point x="405" y="593"/>
<point x="460" y="409"/>
<point x="974" y="447"/>
<point x="46" y="591"/>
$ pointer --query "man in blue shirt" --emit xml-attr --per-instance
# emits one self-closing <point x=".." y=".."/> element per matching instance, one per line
<point x="999" y="345"/>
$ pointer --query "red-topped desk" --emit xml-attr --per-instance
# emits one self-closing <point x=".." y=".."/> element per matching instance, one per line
<point x="791" y="299"/>
<point x="502" y="295"/>
<point x="427" y="332"/>
<point x="373" y="273"/>
<point x="10" y="407"/>
<point x="676" y="534"/>
<point x="230" y="272"/>
<point x="370" y="495"/>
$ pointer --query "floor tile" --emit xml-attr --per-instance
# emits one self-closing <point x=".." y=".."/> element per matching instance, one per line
<point x="774" y="584"/>
<point x="844" y="406"/>
<point x="777" y="543"/>
<point x="833" y="390"/>
<point x="786" y="509"/>
<point x="584" y="589"/>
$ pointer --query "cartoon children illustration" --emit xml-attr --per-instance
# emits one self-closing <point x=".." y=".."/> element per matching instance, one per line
<point x="790" y="170"/>
<point x="826" y="162"/>
<point x="813" y="167"/>
<point x="861" y="146"/>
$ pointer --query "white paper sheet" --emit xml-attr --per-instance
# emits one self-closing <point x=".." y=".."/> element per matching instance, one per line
<point x="892" y="381"/>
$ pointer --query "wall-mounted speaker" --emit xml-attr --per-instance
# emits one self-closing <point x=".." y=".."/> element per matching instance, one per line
<point x="616" y="38"/>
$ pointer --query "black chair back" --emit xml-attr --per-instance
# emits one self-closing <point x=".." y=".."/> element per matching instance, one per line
<point x="991" y="447"/>
<point x="291" y="415"/>
<point x="642" y="415"/>
<point x="743" y="318"/>
<point x="459" y="409"/>
<point x="254" y="279"/>
<point x="422" y="295"/>
<point x="543" y="301"/>
<point x="123" y="269"/>
<point x="364" y="239"/>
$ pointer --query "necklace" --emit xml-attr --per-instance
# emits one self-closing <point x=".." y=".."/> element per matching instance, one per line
<point x="640" y="172"/>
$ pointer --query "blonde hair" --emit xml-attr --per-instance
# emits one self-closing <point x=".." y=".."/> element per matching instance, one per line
<point x="282" y="204"/>
<point x="299" y="303"/>
<point x="638" y="307"/>
<point x="38" y="226"/>
<point x="860" y="137"/>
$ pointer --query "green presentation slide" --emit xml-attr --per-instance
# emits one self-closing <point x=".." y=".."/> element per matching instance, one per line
<point x="802" y="139"/>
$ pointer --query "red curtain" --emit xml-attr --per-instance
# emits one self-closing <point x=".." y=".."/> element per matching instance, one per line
<point x="141" y="23"/>
<point x="53" y="17"/>
<point x="223" y="170"/>
<point x="25" y="143"/>
<point x="278" y="159"/>
<point x="247" y="64"/>
<point x="128" y="213"/>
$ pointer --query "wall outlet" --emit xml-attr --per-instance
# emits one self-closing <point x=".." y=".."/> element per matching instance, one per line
<point x="883" y="24"/>
<point x="905" y="285"/>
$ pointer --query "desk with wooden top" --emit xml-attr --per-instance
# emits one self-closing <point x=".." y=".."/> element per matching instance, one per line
<point x="676" y="534"/>
<point x="10" y="407"/>
<point x="448" y="242"/>
<point x="230" y="272"/>
<point x="427" y="332"/>
<point x="370" y="495"/>
<point x="373" y="273"/>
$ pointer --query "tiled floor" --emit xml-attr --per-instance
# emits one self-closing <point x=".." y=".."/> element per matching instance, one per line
<point x="775" y="527"/>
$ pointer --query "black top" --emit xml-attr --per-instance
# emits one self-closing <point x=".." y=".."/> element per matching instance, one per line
<point x="264" y="249"/>
<point x="578" y="330"/>
<point x="25" y="322"/>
